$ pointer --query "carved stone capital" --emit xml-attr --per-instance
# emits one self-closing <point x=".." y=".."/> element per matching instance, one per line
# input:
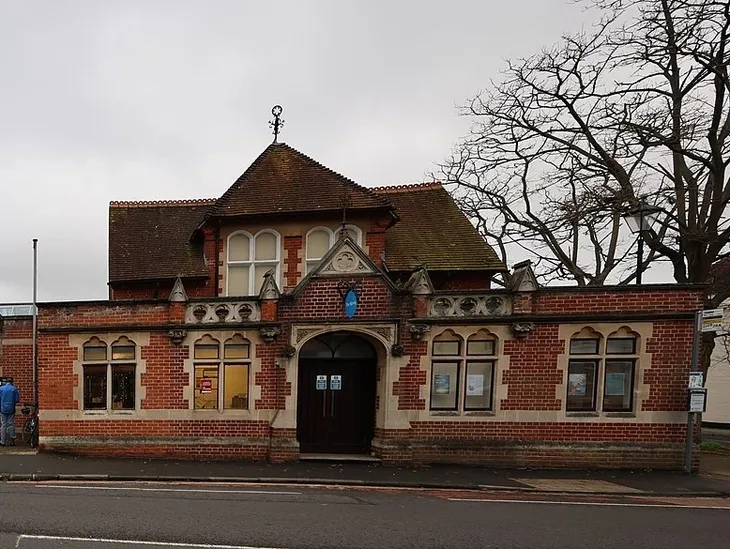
<point x="269" y="333"/>
<point x="418" y="331"/>
<point x="522" y="329"/>
<point x="177" y="336"/>
<point x="289" y="351"/>
<point x="397" y="350"/>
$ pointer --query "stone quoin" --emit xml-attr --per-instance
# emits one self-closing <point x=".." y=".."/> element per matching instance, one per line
<point x="301" y="314"/>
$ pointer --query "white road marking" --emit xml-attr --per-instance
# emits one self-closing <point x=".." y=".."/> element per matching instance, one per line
<point x="134" y="489"/>
<point x="596" y="504"/>
<point x="21" y="537"/>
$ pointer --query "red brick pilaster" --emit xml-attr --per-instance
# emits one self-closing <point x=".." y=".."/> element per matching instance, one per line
<point x="292" y="262"/>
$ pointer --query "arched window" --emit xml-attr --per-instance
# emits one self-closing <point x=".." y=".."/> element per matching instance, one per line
<point x="337" y="345"/>
<point x="109" y="381"/>
<point x="233" y="370"/>
<point x="249" y="257"/>
<point x="321" y="239"/>
<point x="601" y="372"/>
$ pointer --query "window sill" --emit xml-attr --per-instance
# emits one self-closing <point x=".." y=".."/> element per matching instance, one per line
<point x="445" y="413"/>
<point x="582" y="414"/>
<point x="619" y="414"/>
<point x="479" y="413"/>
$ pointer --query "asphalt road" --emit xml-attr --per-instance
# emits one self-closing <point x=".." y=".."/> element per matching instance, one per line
<point x="148" y="516"/>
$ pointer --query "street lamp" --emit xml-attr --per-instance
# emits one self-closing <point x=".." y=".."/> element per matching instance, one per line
<point x="640" y="219"/>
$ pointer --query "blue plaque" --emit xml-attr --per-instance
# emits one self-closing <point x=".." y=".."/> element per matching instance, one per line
<point x="350" y="303"/>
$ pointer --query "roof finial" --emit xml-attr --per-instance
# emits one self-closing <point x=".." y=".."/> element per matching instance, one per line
<point x="345" y="204"/>
<point x="277" y="123"/>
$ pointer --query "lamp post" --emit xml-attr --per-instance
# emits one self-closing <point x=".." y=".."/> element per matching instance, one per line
<point x="640" y="219"/>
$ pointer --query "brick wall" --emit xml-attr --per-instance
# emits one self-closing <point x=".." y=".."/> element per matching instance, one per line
<point x="16" y="354"/>
<point x="164" y="378"/>
<point x="533" y="370"/>
<point x="293" y="260"/>
<point x="649" y="299"/>
<point x="122" y="291"/>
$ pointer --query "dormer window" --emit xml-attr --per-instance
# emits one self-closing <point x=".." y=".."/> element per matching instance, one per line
<point x="321" y="239"/>
<point x="249" y="258"/>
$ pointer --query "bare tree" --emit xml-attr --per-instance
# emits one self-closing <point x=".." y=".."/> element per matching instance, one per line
<point x="575" y="136"/>
<point x="635" y="110"/>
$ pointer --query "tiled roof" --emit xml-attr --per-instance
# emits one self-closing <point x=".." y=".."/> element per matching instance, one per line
<point x="283" y="180"/>
<point x="151" y="240"/>
<point x="433" y="231"/>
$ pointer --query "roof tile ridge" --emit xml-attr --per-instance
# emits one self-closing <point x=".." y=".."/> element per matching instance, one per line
<point x="368" y="190"/>
<point x="158" y="203"/>
<point x="408" y="187"/>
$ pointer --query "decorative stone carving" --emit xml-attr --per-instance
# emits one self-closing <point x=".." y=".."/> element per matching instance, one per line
<point x="420" y="283"/>
<point x="269" y="289"/>
<point x="397" y="350"/>
<point x="418" y="331"/>
<point x="387" y="333"/>
<point x="177" y="336"/>
<point x="470" y="305"/>
<point x="289" y="351"/>
<point x="227" y="312"/>
<point x="178" y="293"/>
<point x="269" y="333"/>
<point x="345" y="258"/>
<point x="522" y="329"/>
<point x="301" y="333"/>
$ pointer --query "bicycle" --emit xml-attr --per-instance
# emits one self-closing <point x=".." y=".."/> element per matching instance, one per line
<point x="30" y="427"/>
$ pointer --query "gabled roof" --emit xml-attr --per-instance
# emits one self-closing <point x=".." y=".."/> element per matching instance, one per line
<point x="151" y="240"/>
<point x="283" y="180"/>
<point x="434" y="232"/>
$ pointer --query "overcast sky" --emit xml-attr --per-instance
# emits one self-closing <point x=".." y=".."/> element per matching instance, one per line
<point x="152" y="99"/>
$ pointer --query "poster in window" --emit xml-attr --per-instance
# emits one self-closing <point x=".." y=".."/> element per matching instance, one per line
<point x="615" y="383"/>
<point x="442" y="384"/>
<point x="475" y="385"/>
<point x="577" y="384"/>
<point x="206" y="385"/>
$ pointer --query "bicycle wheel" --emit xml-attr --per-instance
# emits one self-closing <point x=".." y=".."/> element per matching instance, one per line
<point x="27" y="432"/>
<point x="34" y="434"/>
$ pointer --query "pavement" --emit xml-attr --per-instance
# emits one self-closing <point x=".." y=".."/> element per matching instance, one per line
<point x="25" y="465"/>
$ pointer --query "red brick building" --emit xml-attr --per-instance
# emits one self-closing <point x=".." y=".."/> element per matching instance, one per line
<point x="260" y="326"/>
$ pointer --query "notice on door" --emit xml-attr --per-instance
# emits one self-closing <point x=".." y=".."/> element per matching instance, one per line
<point x="321" y="383"/>
<point x="336" y="383"/>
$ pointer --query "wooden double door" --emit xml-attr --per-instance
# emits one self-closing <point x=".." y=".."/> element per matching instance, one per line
<point x="336" y="408"/>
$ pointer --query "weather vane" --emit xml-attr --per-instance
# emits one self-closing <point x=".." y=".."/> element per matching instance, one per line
<point x="277" y="123"/>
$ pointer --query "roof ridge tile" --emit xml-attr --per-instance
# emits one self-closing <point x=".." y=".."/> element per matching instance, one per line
<point x="406" y="187"/>
<point x="157" y="203"/>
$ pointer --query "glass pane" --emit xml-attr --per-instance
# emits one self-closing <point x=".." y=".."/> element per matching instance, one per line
<point x="122" y="352"/>
<point x="449" y="348"/>
<point x="478" y="387"/>
<point x="621" y="346"/>
<point x="123" y="387"/>
<point x="231" y="350"/>
<point x="581" y="386"/>
<point x="480" y="347"/>
<point x="206" y="387"/>
<point x="259" y="272"/>
<point x="238" y="281"/>
<point x="265" y="247"/>
<point x="239" y="247"/>
<point x="206" y="351"/>
<point x="618" y="386"/>
<point x="235" y="390"/>
<point x="95" y="353"/>
<point x="95" y="387"/>
<point x="311" y="264"/>
<point x="444" y="385"/>
<point x="316" y="349"/>
<point x="318" y="243"/>
<point x="584" y="346"/>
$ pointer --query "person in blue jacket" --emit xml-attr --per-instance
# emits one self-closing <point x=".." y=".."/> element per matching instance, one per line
<point x="9" y="397"/>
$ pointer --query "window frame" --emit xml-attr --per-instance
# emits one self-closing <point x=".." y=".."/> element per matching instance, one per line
<point x="219" y="364"/>
<point x="463" y="359"/>
<point x="109" y="363"/>
<point x="333" y="236"/>
<point x="602" y="359"/>
<point x="252" y="262"/>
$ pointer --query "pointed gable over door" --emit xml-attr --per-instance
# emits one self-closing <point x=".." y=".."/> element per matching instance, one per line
<point x="283" y="180"/>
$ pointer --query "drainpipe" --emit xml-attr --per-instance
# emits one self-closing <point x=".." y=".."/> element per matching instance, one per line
<point x="35" y="321"/>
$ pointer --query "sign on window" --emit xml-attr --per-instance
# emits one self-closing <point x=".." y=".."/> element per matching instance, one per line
<point x="335" y="382"/>
<point x="321" y="383"/>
